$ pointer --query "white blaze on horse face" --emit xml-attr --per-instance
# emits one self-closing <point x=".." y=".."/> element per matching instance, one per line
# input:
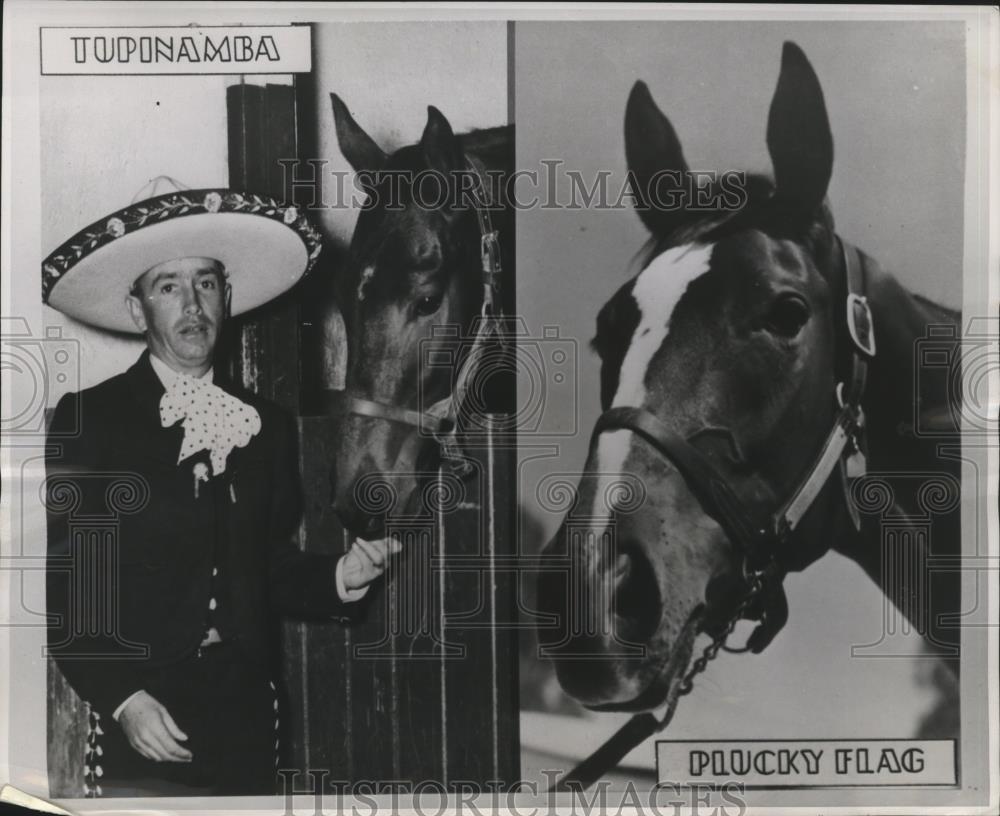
<point x="657" y="291"/>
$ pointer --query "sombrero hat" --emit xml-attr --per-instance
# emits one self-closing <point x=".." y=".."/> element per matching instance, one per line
<point x="265" y="246"/>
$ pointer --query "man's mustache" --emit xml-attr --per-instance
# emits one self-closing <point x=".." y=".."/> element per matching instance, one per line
<point x="194" y="325"/>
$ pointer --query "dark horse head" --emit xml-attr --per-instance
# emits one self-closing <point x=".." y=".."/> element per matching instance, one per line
<point x="414" y="264"/>
<point x="730" y="337"/>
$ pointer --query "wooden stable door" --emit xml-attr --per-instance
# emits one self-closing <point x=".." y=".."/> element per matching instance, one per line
<point x="424" y="686"/>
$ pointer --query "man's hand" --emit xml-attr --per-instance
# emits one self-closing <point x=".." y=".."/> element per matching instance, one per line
<point x="367" y="560"/>
<point x="152" y="731"/>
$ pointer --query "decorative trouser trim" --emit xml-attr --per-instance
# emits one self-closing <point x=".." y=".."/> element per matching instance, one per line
<point x="277" y="732"/>
<point x="92" y="755"/>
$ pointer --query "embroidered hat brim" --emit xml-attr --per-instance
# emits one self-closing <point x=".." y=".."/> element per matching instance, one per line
<point x="266" y="247"/>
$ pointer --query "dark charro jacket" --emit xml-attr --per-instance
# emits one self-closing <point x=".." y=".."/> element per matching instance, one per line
<point x="131" y="547"/>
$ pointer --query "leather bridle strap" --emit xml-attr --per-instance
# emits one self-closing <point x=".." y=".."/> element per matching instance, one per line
<point x="489" y="241"/>
<point x="424" y="421"/>
<point x="843" y="434"/>
<point x="849" y="422"/>
<point x="744" y="528"/>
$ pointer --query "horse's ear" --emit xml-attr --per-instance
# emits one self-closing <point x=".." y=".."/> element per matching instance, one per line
<point x="439" y="144"/>
<point x="357" y="146"/>
<point x="798" y="134"/>
<point x="655" y="161"/>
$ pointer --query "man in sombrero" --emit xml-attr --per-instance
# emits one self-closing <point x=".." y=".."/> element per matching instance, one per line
<point x="167" y="631"/>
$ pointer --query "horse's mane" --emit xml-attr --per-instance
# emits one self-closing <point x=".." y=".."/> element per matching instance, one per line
<point x="492" y="146"/>
<point x="943" y="313"/>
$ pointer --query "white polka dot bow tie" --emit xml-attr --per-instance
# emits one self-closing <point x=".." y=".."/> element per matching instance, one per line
<point x="213" y="420"/>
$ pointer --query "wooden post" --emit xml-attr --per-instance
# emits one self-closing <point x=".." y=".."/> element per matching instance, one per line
<point x="263" y="353"/>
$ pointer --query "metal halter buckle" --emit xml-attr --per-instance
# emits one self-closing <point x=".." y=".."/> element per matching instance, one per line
<point x="862" y="335"/>
<point x="858" y="411"/>
<point x="840" y="395"/>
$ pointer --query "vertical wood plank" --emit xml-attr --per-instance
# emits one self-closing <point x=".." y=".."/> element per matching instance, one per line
<point x="318" y="664"/>
<point x="395" y="653"/>
<point x="482" y="620"/>
<point x="469" y="606"/>
<point x="503" y="466"/>
<point x="263" y="355"/>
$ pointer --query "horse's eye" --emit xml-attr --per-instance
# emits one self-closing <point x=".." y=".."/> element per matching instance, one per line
<point x="429" y="305"/>
<point x="787" y="315"/>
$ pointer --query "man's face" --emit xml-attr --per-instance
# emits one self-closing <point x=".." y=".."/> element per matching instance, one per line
<point x="180" y="305"/>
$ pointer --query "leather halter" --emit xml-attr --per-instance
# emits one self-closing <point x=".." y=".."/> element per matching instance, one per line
<point x="760" y="534"/>
<point x="440" y="420"/>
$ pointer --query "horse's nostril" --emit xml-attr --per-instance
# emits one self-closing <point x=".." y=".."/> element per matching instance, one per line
<point x="374" y="527"/>
<point x="637" y="602"/>
<point x="356" y="519"/>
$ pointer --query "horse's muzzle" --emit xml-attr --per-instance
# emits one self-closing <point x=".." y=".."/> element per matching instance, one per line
<point x="605" y="608"/>
<point x="358" y="521"/>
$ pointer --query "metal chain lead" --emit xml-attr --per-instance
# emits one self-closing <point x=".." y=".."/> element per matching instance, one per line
<point x="757" y="581"/>
<point x="643" y="726"/>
